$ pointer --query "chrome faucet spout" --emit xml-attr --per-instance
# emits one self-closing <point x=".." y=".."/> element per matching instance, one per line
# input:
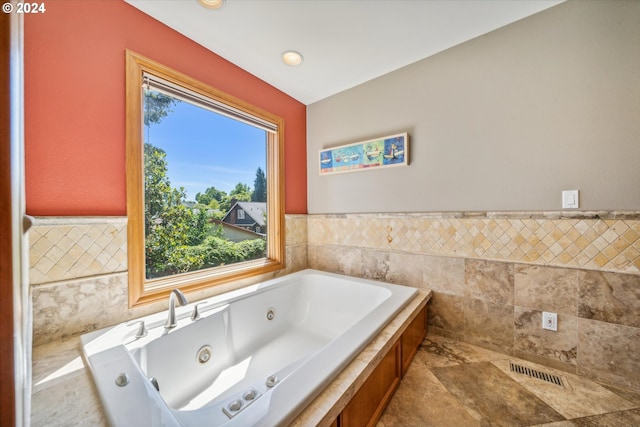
<point x="171" y="317"/>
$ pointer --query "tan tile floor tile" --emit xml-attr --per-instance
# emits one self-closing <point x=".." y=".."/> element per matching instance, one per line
<point x="451" y="383"/>
<point x="408" y="409"/>
<point x="578" y="397"/>
<point x="488" y="394"/>
<point x="613" y="419"/>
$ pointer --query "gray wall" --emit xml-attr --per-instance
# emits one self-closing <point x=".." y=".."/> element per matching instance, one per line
<point x="502" y="122"/>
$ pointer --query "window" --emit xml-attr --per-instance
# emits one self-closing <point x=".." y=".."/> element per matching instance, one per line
<point x="176" y="239"/>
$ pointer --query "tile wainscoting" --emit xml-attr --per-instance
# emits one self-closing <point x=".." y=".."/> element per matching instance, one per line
<point x="607" y="241"/>
<point x="78" y="274"/>
<point x="492" y="275"/>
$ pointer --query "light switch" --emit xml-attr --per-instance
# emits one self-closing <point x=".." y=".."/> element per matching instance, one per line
<point x="570" y="199"/>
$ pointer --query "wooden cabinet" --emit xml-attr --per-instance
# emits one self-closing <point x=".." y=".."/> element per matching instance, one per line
<point x="412" y="337"/>
<point x="367" y="405"/>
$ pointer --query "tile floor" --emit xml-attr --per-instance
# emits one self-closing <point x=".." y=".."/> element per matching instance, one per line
<point x="454" y="384"/>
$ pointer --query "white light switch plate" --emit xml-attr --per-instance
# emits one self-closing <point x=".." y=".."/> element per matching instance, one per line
<point x="570" y="199"/>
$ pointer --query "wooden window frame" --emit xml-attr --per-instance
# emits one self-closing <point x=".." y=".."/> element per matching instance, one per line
<point x="143" y="290"/>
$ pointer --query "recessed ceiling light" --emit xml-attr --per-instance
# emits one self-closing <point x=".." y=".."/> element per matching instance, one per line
<point x="291" y="57"/>
<point x="211" y="4"/>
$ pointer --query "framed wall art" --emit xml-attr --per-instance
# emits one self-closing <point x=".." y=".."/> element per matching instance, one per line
<point x="386" y="151"/>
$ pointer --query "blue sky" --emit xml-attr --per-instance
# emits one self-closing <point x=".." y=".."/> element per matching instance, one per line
<point x="206" y="149"/>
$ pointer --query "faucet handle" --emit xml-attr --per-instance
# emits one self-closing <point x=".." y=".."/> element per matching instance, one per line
<point x="142" y="330"/>
<point x="195" y="315"/>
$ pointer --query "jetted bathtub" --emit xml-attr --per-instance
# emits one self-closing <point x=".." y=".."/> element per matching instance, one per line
<point x="255" y="356"/>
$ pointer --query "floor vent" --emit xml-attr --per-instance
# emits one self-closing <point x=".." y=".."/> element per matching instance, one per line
<point x="533" y="373"/>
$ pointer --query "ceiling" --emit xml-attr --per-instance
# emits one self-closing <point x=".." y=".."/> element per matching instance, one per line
<point x="344" y="42"/>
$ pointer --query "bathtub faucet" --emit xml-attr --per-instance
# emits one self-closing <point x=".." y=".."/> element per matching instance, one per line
<point x="171" y="318"/>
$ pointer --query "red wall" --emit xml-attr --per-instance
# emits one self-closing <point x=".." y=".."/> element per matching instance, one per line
<point x="75" y="103"/>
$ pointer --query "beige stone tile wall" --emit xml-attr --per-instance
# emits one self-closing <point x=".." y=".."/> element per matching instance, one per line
<point x="489" y="289"/>
<point x="492" y="277"/>
<point x="69" y="248"/>
<point x="78" y="274"/>
<point x="589" y="241"/>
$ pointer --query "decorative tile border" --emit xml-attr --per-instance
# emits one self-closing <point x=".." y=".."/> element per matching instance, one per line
<point x="64" y="248"/>
<point x="68" y="248"/>
<point x="596" y="241"/>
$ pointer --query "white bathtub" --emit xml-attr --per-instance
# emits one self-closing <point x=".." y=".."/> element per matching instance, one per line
<point x="273" y="347"/>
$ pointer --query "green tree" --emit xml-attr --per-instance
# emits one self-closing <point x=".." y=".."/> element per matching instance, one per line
<point x="210" y="194"/>
<point x="214" y="204"/>
<point x="203" y="199"/>
<point x="240" y="193"/>
<point x="179" y="239"/>
<point x="170" y="227"/>
<point x="259" y="187"/>
<point x="156" y="181"/>
<point x="156" y="185"/>
<point x="218" y="251"/>
<point x="200" y="227"/>
<point x="157" y="106"/>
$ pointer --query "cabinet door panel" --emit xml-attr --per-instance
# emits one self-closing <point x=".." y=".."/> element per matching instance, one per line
<point x="412" y="338"/>
<point x="367" y="405"/>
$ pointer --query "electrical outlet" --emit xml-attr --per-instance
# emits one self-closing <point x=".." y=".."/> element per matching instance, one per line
<point x="549" y="321"/>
